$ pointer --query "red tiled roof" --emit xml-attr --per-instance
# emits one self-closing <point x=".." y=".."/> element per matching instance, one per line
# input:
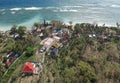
<point x="28" y="67"/>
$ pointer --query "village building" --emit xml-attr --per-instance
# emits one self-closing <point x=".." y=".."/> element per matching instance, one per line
<point x="31" y="68"/>
<point x="9" y="61"/>
<point x="57" y="45"/>
<point x="54" y="52"/>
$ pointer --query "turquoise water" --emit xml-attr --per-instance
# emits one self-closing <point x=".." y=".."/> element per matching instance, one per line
<point x="26" y="12"/>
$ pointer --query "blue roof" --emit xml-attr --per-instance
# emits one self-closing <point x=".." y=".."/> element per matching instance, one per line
<point x="60" y="31"/>
<point x="54" y="52"/>
<point x="17" y="55"/>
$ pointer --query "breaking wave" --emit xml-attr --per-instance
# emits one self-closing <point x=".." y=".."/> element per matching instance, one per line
<point x="27" y="8"/>
<point x="15" y="9"/>
<point x="33" y="8"/>
<point x="51" y="7"/>
<point x="72" y="6"/>
<point x="115" y="6"/>
<point x="96" y="8"/>
<point x="89" y="5"/>
<point x="65" y="10"/>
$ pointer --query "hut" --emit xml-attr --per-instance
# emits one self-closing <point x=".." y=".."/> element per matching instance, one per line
<point x="57" y="45"/>
<point x="28" y="68"/>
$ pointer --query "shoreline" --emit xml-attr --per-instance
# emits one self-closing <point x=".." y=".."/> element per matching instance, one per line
<point x="29" y="26"/>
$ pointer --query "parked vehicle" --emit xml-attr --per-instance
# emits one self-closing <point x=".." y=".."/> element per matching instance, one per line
<point x="43" y="49"/>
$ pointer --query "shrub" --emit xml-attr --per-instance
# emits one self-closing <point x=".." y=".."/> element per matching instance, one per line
<point x="29" y="51"/>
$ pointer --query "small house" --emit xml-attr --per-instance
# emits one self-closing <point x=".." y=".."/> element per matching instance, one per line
<point x="41" y="35"/>
<point x="59" y="33"/>
<point x="16" y="55"/>
<point x="54" y="52"/>
<point x="9" y="61"/>
<point x="31" y="68"/>
<point x="103" y="39"/>
<point x="56" y="45"/>
<point x="66" y="35"/>
<point x="28" y="67"/>
<point x="49" y="42"/>
<point x="56" y="38"/>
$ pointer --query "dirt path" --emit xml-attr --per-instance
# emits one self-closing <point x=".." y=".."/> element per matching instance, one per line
<point x="29" y="79"/>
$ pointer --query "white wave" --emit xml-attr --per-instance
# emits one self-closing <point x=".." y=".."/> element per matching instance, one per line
<point x="13" y="12"/>
<point x="97" y="8"/>
<point x="68" y="10"/>
<point x="55" y="10"/>
<point x="63" y="7"/>
<point x="33" y="8"/>
<point x="115" y="6"/>
<point x="73" y="10"/>
<point x="88" y="4"/>
<point x="72" y="6"/>
<point x="51" y="7"/>
<point x="15" y="9"/>
<point x="65" y="10"/>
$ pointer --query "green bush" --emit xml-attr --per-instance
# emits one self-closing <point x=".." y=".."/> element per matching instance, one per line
<point x="29" y="51"/>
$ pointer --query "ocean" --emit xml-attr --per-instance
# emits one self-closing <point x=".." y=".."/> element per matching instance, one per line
<point x="26" y="12"/>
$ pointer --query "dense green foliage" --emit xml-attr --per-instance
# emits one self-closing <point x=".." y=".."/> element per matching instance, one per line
<point x="24" y="46"/>
<point x="83" y="60"/>
<point x="21" y="30"/>
<point x="29" y="51"/>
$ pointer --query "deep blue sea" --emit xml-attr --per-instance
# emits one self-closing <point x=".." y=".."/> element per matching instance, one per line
<point x="26" y="12"/>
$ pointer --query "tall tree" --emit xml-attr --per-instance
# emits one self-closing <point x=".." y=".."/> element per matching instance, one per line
<point x="21" y="30"/>
<point x="13" y="29"/>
